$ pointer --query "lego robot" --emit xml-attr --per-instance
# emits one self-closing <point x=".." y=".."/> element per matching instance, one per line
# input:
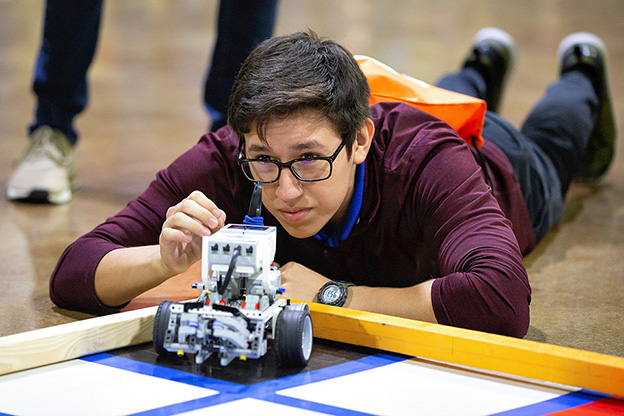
<point x="240" y="308"/>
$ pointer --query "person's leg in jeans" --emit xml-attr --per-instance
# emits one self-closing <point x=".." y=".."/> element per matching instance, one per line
<point x="535" y="172"/>
<point x="465" y="81"/>
<point x="70" y="36"/>
<point x="571" y="130"/>
<point x="45" y="171"/>
<point x="574" y="124"/>
<point x="242" y="25"/>
<point x="560" y="124"/>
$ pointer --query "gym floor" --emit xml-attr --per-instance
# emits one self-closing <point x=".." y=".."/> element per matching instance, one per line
<point x="145" y="109"/>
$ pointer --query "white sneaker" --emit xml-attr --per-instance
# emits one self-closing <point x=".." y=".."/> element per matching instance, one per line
<point x="45" y="171"/>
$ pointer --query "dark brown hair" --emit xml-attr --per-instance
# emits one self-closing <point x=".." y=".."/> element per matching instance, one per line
<point x="287" y="74"/>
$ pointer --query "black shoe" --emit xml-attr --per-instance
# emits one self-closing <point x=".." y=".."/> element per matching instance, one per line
<point x="587" y="53"/>
<point x="493" y="52"/>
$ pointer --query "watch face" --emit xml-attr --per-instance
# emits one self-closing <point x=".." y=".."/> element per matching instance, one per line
<point x="331" y="294"/>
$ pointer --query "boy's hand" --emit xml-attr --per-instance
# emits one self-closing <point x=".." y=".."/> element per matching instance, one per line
<point x="181" y="236"/>
<point x="300" y="282"/>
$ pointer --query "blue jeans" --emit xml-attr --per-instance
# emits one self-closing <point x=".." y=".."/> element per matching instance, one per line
<point x="70" y="36"/>
<point x="546" y="152"/>
<point x="242" y="25"/>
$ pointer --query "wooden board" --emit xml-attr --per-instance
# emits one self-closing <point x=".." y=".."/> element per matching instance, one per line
<point x="530" y="359"/>
<point x="76" y="339"/>
<point x="479" y="350"/>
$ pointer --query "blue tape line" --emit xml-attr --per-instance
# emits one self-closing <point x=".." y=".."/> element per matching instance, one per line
<point x="317" y="407"/>
<point x="228" y="392"/>
<point x="162" y="372"/>
<point x="269" y="390"/>
<point x="557" y="404"/>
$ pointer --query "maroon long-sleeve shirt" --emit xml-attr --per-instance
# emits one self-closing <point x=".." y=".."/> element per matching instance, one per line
<point x="426" y="213"/>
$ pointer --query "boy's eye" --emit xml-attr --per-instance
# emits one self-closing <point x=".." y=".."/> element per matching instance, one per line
<point x="264" y="158"/>
<point x="309" y="156"/>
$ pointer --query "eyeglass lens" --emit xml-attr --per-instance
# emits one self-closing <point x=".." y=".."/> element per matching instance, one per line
<point x="266" y="171"/>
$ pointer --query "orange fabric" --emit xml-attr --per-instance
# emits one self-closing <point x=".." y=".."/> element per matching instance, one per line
<point x="463" y="113"/>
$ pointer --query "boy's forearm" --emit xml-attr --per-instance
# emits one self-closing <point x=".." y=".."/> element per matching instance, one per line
<point x="125" y="273"/>
<point x="411" y="302"/>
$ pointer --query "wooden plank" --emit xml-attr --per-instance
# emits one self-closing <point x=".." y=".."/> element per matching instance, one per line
<point x="474" y="349"/>
<point x="76" y="339"/>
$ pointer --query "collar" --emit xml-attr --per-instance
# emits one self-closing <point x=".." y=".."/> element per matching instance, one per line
<point x="352" y="214"/>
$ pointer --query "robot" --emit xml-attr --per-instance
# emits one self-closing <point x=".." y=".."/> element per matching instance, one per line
<point x="239" y="308"/>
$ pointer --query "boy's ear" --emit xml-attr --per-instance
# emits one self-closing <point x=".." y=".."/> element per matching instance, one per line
<point x="363" y="140"/>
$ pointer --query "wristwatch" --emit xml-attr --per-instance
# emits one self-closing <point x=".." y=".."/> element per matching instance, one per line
<point x="334" y="293"/>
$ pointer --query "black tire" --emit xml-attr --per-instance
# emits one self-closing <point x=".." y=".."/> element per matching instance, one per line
<point x="293" y="339"/>
<point x="161" y="324"/>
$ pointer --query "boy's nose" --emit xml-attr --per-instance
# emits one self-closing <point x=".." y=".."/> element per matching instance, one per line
<point x="288" y="187"/>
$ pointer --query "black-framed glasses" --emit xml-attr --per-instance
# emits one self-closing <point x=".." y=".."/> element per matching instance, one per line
<point x="306" y="169"/>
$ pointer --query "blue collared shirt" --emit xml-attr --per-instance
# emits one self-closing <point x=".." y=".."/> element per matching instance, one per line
<point x="352" y="214"/>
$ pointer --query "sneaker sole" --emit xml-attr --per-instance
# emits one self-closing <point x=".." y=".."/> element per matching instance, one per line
<point x="581" y="37"/>
<point x="39" y="196"/>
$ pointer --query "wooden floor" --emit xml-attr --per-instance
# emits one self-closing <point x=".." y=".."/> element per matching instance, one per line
<point x="145" y="109"/>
